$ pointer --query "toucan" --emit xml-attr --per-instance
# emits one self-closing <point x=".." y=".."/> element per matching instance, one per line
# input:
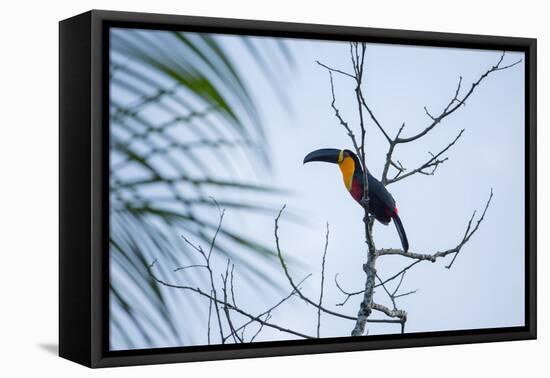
<point x="381" y="202"/>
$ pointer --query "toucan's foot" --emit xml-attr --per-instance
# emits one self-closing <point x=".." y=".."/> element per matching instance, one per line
<point x="365" y="202"/>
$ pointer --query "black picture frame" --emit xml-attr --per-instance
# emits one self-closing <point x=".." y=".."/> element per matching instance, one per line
<point x="83" y="194"/>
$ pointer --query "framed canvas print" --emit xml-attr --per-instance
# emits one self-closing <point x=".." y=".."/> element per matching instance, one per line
<point x="233" y="188"/>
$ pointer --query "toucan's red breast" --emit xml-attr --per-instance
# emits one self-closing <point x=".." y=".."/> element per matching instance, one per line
<point x="356" y="189"/>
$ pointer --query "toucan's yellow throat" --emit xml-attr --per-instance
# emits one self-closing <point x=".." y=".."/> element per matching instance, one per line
<point x="347" y="166"/>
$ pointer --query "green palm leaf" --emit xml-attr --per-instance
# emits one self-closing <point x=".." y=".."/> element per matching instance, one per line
<point x="174" y="98"/>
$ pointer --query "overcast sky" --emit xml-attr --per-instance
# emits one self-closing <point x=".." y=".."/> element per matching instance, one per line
<point x="485" y="287"/>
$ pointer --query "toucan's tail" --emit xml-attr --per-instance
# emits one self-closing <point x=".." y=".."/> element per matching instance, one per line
<point x="401" y="232"/>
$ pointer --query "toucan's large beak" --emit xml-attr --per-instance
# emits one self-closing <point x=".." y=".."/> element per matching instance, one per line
<point x="329" y="155"/>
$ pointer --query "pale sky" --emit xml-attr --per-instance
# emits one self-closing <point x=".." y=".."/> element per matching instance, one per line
<point x="485" y="287"/>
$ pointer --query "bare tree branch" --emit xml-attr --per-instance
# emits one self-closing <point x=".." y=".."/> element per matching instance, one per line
<point x="468" y="234"/>
<point x="209" y="317"/>
<point x="206" y="258"/>
<point x="232" y="286"/>
<point x="335" y="70"/>
<point x="398" y="274"/>
<point x="373" y="117"/>
<point x="340" y="119"/>
<point x="223" y="303"/>
<point x="189" y="266"/>
<point x="268" y="312"/>
<point x="234" y="334"/>
<point x="456" y="250"/>
<point x="348" y="294"/>
<point x="291" y="281"/>
<point x="456" y="102"/>
<point x="400" y="314"/>
<point x="390" y="295"/>
<point x="389" y="160"/>
<point x="268" y="316"/>
<point x="405" y="294"/>
<point x="432" y="163"/>
<point x="322" y="284"/>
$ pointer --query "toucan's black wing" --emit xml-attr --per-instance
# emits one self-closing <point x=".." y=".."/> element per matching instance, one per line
<point x="376" y="189"/>
<point x="381" y="204"/>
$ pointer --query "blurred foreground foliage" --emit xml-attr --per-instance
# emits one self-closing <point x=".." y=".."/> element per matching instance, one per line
<point x="182" y="121"/>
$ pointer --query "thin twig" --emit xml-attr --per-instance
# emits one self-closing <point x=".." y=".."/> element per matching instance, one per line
<point x="270" y="310"/>
<point x="469" y="235"/>
<point x="213" y="242"/>
<point x="209" y="317"/>
<point x="455" y="250"/>
<point x="235" y="335"/>
<point x="455" y="103"/>
<point x="373" y="117"/>
<point x="335" y="70"/>
<point x="223" y="303"/>
<point x="291" y="281"/>
<point x="189" y="266"/>
<point x="322" y="283"/>
<point x="345" y="292"/>
<point x="433" y="163"/>
<point x="339" y="117"/>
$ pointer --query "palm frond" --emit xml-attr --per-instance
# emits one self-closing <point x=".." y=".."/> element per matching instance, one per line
<point x="175" y="98"/>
